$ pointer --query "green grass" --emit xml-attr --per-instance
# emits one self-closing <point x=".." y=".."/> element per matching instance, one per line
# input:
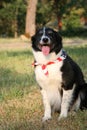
<point x="21" y="105"/>
<point x="16" y="73"/>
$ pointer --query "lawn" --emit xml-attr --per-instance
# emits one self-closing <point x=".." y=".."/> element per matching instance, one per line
<point x="21" y="105"/>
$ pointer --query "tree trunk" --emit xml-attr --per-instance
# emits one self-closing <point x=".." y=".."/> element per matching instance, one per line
<point x="15" y="29"/>
<point x="59" y="23"/>
<point x="30" y="18"/>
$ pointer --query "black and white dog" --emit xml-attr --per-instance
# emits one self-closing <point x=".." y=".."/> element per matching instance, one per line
<point x="61" y="81"/>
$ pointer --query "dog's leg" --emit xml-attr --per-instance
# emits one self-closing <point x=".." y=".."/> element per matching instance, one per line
<point x="67" y="98"/>
<point x="47" y="113"/>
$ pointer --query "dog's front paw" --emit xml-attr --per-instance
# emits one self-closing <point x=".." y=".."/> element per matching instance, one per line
<point x="45" y="118"/>
<point x="62" y="116"/>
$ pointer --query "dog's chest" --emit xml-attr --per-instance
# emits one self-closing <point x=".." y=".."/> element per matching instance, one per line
<point x="54" y="77"/>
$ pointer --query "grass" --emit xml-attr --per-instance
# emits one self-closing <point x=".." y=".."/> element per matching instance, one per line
<point x="13" y="40"/>
<point x="16" y="74"/>
<point x="21" y="105"/>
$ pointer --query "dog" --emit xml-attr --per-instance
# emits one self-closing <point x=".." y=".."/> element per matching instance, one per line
<point x="61" y="80"/>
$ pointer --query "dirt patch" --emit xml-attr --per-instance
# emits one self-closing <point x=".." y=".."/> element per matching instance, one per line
<point x="74" y="41"/>
<point x="11" y="45"/>
<point x="7" y="46"/>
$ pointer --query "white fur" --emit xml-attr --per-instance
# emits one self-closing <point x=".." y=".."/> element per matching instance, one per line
<point x="44" y="36"/>
<point x="51" y="85"/>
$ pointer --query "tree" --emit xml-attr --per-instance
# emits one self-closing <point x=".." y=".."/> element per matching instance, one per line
<point x="30" y="17"/>
<point x="11" y="16"/>
<point x="83" y="4"/>
<point x="55" y="9"/>
<point x="37" y="13"/>
<point x="44" y="12"/>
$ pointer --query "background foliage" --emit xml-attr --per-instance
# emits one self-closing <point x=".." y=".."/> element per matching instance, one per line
<point x="49" y="13"/>
<point x="12" y="17"/>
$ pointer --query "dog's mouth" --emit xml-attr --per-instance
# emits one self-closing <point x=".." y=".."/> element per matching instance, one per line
<point x="45" y="49"/>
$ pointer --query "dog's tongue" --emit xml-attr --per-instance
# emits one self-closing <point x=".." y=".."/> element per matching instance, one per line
<point x="46" y="50"/>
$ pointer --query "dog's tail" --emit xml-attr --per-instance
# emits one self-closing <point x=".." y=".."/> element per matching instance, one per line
<point x="83" y="96"/>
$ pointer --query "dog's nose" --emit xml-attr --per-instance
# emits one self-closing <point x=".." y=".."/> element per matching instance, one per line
<point x="45" y="39"/>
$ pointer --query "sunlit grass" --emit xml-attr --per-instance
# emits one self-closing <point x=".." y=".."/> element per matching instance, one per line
<point x="16" y="73"/>
<point x="20" y="100"/>
<point x="79" y="55"/>
<point x="12" y="40"/>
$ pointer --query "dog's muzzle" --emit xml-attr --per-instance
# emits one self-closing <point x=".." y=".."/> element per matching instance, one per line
<point x="45" y="40"/>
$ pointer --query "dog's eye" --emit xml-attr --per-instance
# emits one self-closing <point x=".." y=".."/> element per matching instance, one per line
<point x="50" y="32"/>
<point x="41" y="32"/>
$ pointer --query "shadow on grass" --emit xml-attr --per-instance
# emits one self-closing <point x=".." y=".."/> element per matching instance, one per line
<point x="26" y="53"/>
<point x="14" y="84"/>
<point x="79" y="55"/>
<point x="9" y="78"/>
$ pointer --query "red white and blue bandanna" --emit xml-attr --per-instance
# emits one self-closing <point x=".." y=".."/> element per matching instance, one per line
<point x="44" y="66"/>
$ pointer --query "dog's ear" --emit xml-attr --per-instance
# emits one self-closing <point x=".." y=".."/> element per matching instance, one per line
<point x="58" y="37"/>
<point x="33" y="38"/>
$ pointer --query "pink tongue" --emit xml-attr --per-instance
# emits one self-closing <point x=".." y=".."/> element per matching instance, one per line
<point x="45" y="50"/>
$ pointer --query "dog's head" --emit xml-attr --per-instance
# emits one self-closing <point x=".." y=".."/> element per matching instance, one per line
<point x="47" y="40"/>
